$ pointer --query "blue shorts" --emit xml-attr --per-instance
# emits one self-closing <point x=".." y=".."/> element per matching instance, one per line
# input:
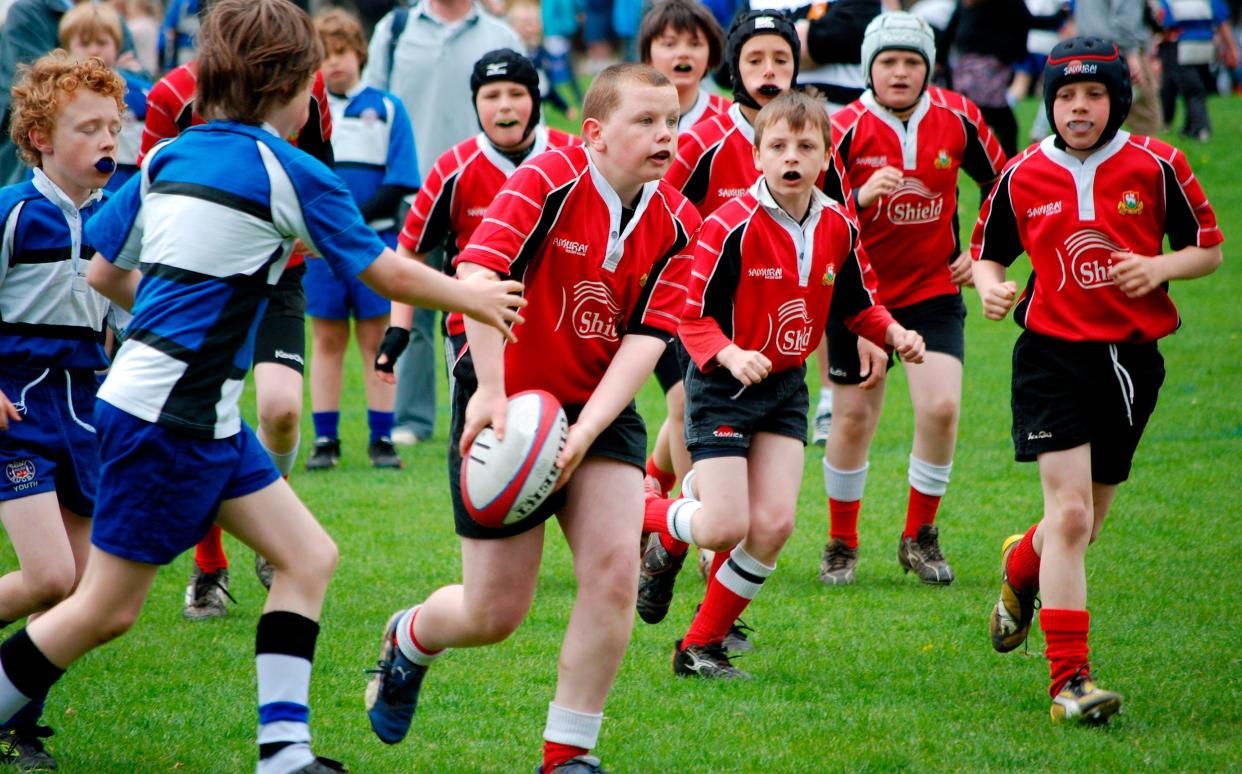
<point x="160" y="491"/>
<point x="330" y="297"/>
<point x="53" y="448"/>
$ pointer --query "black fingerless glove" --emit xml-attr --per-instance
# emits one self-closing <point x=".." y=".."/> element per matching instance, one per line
<point x="394" y="343"/>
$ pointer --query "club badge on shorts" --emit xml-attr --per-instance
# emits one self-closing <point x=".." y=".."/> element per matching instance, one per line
<point x="20" y="473"/>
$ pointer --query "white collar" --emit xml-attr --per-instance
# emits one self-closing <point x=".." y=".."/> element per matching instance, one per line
<point x="743" y="126"/>
<point x="801" y="234"/>
<point x="1083" y="171"/>
<point x="616" y="237"/>
<point x="908" y="132"/>
<point x="763" y="195"/>
<point x="350" y="93"/>
<point x="503" y="162"/>
<point x="696" y="111"/>
<point x="45" y="185"/>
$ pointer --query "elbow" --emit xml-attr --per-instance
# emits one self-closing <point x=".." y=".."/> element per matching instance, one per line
<point x="1215" y="258"/>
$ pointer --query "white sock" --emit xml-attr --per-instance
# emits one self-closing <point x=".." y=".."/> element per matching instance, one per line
<point x="845" y="486"/>
<point x="743" y="574"/>
<point x="931" y="480"/>
<point x="567" y="726"/>
<point x="284" y="460"/>
<point x="681" y="518"/>
<point x="405" y="640"/>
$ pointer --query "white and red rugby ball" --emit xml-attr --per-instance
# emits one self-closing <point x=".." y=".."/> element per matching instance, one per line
<point x="503" y="482"/>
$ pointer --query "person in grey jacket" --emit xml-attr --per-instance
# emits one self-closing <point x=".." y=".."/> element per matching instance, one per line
<point x="1124" y="23"/>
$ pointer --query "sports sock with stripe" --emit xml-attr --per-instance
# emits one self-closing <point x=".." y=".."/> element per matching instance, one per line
<point x="409" y="645"/>
<point x="26" y="675"/>
<point x="284" y="652"/>
<point x="729" y="592"/>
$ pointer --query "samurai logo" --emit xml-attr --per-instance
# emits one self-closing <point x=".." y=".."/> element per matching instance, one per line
<point x="495" y="69"/>
<point x="1130" y="204"/>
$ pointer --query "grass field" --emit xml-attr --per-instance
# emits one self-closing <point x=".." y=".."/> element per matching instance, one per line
<point x="883" y="676"/>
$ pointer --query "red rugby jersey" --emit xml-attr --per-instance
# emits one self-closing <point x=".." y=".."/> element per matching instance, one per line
<point x="707" y="106"/>
<point x="911" y="236"/>
<point x="454" y="197"/>
<point x="170" y="111"/>
<point x="555" y="225"/>
<point x="764" y="282"/>
<point x="716" y="162"/>
<point x="1069" y="215"/>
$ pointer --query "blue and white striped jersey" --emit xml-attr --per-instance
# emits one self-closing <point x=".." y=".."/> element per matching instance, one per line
<point x="49" y="316"/>
<point x="373" y="144"/>
<point x="211" y="222"/>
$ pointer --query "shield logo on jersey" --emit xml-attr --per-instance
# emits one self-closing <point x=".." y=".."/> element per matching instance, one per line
<point x="793" y="328"/>
<point x="20" y="472"/>
<point x="1088" y="259"/>
<point x="1130" y="204"/>
<point x="942" y="160"/>
<point x="829" y="276"/>
<point x="596" y="315"/>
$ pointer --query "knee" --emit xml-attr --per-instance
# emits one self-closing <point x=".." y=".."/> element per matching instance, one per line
<point x="729" y="530"/>
<point x="941" y="413"/>
<point x="850" y="424"/>
<point x="496" y="619"/>
<point x="48" y="585"/>
<point x="331" y="341"/>
<point x="115" y="622"/>
<point x="280" y="413"/>
<point x="611" y="580"/>
<point x="770" y="531"/>
<point x="1073" y="521"/>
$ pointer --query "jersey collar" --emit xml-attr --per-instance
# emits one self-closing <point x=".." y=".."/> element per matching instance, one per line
<point x="1084" y="171"/>
<point x="617" y="237"/>
<point x="907" y="133"/>
<point x="73" y="216"/>
<point x="743" y="126"/>
<point x="696" y="111"/>
<point x="502" y="162"/>
<point x="802" y="234"/>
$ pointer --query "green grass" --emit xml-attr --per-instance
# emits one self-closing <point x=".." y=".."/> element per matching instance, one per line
<point x="883" y="676"/>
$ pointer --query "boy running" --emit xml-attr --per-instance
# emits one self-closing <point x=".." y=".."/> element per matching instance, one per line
<point x="466" y="179"/>
<point x="66" y="118"/>
<point x="601" y="244"/>
<point x="1091" y="206"/>
<point x="770" y="268"/>
<point x="213" y="218"/>
<point x="902" y="144"/>
<point x="373" y="148"/>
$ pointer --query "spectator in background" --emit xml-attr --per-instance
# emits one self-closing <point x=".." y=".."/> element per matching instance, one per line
<point x="178" y="32"/>
<point x="526" y="18"/>
<point x="1122" y="22"/>
<point x="427" y="64"/>
<point x="831" y="37"/>
<point x="1028" y="72"/>
<point x="599" y="35"/>
<point x="1191" y="29"/>
<point x="140" y="15"/>
<point x="31" y="29"/>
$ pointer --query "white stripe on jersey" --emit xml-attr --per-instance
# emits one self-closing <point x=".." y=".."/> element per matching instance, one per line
<point x="186" y="231"/>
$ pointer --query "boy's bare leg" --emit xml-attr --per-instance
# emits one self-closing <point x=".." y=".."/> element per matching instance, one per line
<point x="1065" y="532"/>
<point x="329" y="338"/>
<point x="47" y="568"/>
<point x="369" y="333"/>
<point x="856" y="414"/>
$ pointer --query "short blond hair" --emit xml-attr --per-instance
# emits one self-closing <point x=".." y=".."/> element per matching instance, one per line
<point x="799" y="111"/>
<point x="341" y="29"/>
<point x="43" y="88"/>
<point x="90" y="21"/>
<point x="604" y="95"/>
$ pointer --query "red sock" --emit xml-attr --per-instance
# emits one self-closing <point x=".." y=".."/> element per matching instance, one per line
<point x="843" y="518"/>
<point x="555" y="753"/>
<point x="655" y="515"/>
<point x="721" y="607"/>
<point x="1065" y="634"/>
<point x="666" y="478"/>
<point x="673" y="545"/>
<point x="920" y="510"/>
<point x="1023" y="567"/>
<point x="718" y="560"/>
<point x="209" y="553"/>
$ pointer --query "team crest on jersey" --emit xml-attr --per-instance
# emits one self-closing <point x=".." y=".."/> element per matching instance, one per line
<point x="595" y="314"/>
<point x="20" y="472"/>
<point x="642" y="281"/>
<point x="829" y="276"/>
<point x="369" y="116"/>
<point x="1130" y="204"/>
<point x="793" y="328"/>
<point x="942" y="160"/>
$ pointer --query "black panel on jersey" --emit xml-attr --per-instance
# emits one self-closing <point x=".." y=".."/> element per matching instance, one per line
<point x="721" y="286"/>
<point x="635" y="324"/>
<point x="1000" y="230"/>
<point x="437" y="228"/>
<point x="552" y="206"/>
<point x="696" y="185"/>
<point x="1180" y="222"/>
<point x="213" y="195"/>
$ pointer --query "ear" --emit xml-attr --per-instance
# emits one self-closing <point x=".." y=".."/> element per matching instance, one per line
<point x="593" y="134"/>
<point x="827" y="160"/>
<point x="41" y="141"/>
<point x="754" y="149"/>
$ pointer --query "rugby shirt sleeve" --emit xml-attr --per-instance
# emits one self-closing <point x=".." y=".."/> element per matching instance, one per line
<point x="663" y="293"/>
<point x="161" y="120"/>
<point x="853" y="294"/>
<point x="691" y="168"/>
<point x="714" y="276"/>
<point x="996" y="236"/>
<point x="115" y="231"/>
<point x="430" y="219"/>
<point x="402" y="163"/>
<point x="982" y="157"/>
<point x="1188" y="217"/>
<point x="321" y="212"/>
<point x="509" y="232"/>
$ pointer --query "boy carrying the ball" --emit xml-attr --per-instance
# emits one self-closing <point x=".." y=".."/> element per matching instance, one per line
<point x="771" y="267"/>
<point x="1091" y="206"/>
<point x="213" y="218"/>
<point x="602" y="246"/>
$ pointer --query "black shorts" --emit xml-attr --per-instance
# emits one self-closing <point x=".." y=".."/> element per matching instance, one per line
<point x="1067" y="393"/>
<point x="940" y="320"/>
<point x="281" y="337"/>
<point x="722" y="416"/>
<point x="670" y="369"/>
<point x="624" y="440"/>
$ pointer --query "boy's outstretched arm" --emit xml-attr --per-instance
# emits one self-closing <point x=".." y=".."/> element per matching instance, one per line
<point x="1137" y="275"/>
<point x="489" y="404"/>
<point x="112" y="282"/>
<point x="397" y="336"/>
<point x="997" y="294"/>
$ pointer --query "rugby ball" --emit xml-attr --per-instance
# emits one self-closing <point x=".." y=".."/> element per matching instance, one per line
<point x="503" y="482"/>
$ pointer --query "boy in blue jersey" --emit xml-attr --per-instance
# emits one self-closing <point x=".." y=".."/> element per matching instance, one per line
<point x="213" y="218"/>
<point x="66" y="115"/>
<point x="94" y="29"/>
<point x="373" y="144"/>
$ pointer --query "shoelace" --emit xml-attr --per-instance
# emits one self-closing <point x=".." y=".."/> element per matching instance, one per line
<point x="209" y="579"/>
<point x="740" y="627"/>
<point x="930" y="544"/>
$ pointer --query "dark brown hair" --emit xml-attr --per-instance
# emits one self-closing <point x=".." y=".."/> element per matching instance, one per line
<point x="798" y="110"/>
<point x="604" y="95"/>
<point x="689" y="16"/>
<point x="253" y="57"/>
<point x="341" y="29"/>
